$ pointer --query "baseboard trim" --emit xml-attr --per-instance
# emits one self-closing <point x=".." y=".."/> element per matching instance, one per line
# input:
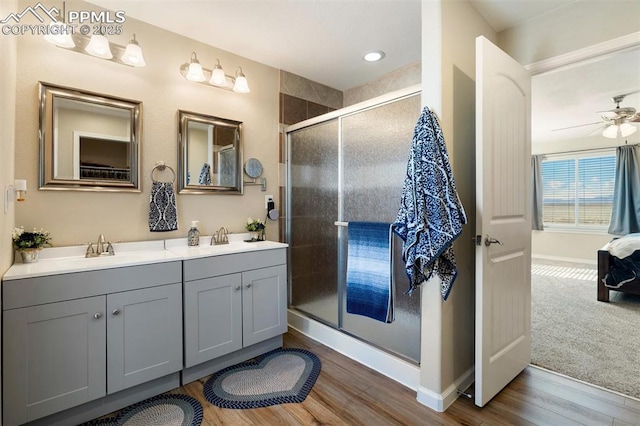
<point x="565" y="259"/>
<point x="393" y="367"/>
<point x="441" y="401"/>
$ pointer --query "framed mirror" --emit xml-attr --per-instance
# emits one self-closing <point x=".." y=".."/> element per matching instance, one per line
<point x="88" y="141"/>
<point x="210" y="151"/>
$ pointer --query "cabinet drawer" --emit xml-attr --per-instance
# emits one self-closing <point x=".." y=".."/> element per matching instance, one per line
<point x="196" y="269"/>
<point x="56" y="288"/>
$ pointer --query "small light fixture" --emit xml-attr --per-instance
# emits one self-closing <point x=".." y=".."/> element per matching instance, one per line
<point x="374" y="56"/>
<point x="218" y="78"/>
<point x="99" y="47"/>
<point x="195" y="69"/>
<point x="20" y="187"/>
<point x="15" y="192"/>
<point x="616" y="129"/>
<point x="241" y="85"/>
<point x="133" y="54"/>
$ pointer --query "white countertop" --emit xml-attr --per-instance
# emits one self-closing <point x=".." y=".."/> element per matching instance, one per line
<point x="62" y="260"/>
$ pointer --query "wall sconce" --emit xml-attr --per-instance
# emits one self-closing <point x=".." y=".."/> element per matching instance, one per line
<point x="216" y="77"/>
<point x="619" y="129"/>
<point x="15" y="192"/>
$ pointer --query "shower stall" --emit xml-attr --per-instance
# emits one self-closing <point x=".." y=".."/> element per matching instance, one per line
<point x="349" y="165"/>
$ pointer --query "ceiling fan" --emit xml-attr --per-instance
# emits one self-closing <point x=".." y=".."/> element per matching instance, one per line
<point x="615" y="122"/>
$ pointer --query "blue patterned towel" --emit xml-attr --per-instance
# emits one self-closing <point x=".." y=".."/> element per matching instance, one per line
<point x="370" y="270"/>
<point x="205" y="175"/>
<point x="431" y="215"/>
<point x="163" y="213"/>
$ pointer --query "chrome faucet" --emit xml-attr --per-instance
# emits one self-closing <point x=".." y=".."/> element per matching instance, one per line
<point x="102" y="247"/>
<point x="220" y="237"/>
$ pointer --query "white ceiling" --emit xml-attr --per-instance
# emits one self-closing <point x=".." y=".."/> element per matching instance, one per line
<point x="324" y="40"/>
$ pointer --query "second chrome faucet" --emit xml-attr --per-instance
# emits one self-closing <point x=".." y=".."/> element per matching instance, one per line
<point x="100" y="248"/>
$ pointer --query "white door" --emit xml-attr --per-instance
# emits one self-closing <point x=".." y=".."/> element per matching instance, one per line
<point x="503" y="197"/>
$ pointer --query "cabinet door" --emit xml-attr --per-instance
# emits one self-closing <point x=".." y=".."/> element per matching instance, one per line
<point x="144" y="335"/>
<point x="212" y="318"/>
<point x="264" y="304"/>
<point x="53" y="357"/>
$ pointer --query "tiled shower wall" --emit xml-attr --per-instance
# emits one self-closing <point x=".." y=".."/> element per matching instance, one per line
<point x="300" y="99"/>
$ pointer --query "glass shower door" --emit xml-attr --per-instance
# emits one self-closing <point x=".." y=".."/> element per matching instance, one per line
<point x="375" y="148"/>
<point x="313" y="186"/>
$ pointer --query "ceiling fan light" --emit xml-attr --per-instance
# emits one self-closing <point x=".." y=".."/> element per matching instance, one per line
<point x="611" y="131"/>
<point x="627" y="129"/>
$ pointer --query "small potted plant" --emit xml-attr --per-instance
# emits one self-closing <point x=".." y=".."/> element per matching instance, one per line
<point x="256" y="229"/>
<point x="29" y="244"/>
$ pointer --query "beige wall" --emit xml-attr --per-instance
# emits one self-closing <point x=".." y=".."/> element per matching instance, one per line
<point x="78" y="217"/>
<point x="8" y="49"/>
<point x="566" y="31"/>
<point x="399" y="79"/>
<point x="449" y="30"/>
<point x="577" y="25"/>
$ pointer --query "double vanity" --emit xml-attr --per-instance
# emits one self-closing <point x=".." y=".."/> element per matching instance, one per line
<point x="83" y="337"/>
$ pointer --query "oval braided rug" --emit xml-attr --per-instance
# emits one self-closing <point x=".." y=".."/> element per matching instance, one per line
<point x="161" y="410"/>
<point x="278" y="377"/>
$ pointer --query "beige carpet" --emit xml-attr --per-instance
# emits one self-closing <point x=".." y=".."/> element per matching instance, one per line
<point x="574" y="334"/>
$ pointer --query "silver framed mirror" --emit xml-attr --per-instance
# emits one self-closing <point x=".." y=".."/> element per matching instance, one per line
<point x="88" y="141"/>
<point x="210" y="154"/>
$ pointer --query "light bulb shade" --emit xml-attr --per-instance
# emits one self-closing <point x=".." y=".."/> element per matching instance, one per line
<point x="60" y="35"/>
<point x="133" y="55"/>
<point x="241" y="85"/>
<point x="627" y="129"/>
<point x="99" y="46"/>
<point x="218" y="77"/>
<point x="195" y="72"/>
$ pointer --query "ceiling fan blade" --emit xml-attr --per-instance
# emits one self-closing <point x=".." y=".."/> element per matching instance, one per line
<point x="579" y="125"/>
<point x="598" y="130"/>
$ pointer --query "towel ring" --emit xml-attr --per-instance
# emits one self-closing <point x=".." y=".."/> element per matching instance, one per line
<point x="160" y="166"/>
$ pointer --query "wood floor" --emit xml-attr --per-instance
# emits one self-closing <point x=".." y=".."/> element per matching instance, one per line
<point x="347" y="393"/>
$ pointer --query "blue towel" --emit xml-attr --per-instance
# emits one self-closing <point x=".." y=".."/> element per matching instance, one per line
<point x="163" y="213"/>
<point x="370" y="270"/>
<point x="205" y="175"/>
<point x="431" y="215"/>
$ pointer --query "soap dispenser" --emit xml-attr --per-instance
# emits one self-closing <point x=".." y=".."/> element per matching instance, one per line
<point x="193" y="236"/>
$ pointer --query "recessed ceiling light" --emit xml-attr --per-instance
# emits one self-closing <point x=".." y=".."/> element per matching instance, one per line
<point x="374" y="56"/>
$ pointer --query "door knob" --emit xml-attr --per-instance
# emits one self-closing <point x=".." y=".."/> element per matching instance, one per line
<point x="248" y="285"/>
<point x="116" y="311"/>
<point x="238" y="288"/>
<point x="488" y="241"/>
<point x="97" y="315"/>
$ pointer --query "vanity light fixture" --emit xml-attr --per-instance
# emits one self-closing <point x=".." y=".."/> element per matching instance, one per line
<point x="59" y="33"/>
<point x="216" y="77"/>
<point x="194" y="72"/>
<point x="133" y="54"/>
<point x="622" y="129"/>
<point x="99" y="47"/>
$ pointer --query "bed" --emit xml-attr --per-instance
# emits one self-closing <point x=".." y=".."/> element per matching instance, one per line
<point x="619" y="266"/>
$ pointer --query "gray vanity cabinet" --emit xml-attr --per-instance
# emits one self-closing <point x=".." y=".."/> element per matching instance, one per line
<point x="232" y="302"/>
<point x="54" y="357"/>
<point x="73" y="338"/>
<point x="144" y="335"/>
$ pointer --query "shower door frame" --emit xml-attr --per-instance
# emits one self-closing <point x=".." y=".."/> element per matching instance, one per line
<point x="376" y="102"/>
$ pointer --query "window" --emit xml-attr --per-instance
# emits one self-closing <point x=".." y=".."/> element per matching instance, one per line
<point x="577" y="189"/>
